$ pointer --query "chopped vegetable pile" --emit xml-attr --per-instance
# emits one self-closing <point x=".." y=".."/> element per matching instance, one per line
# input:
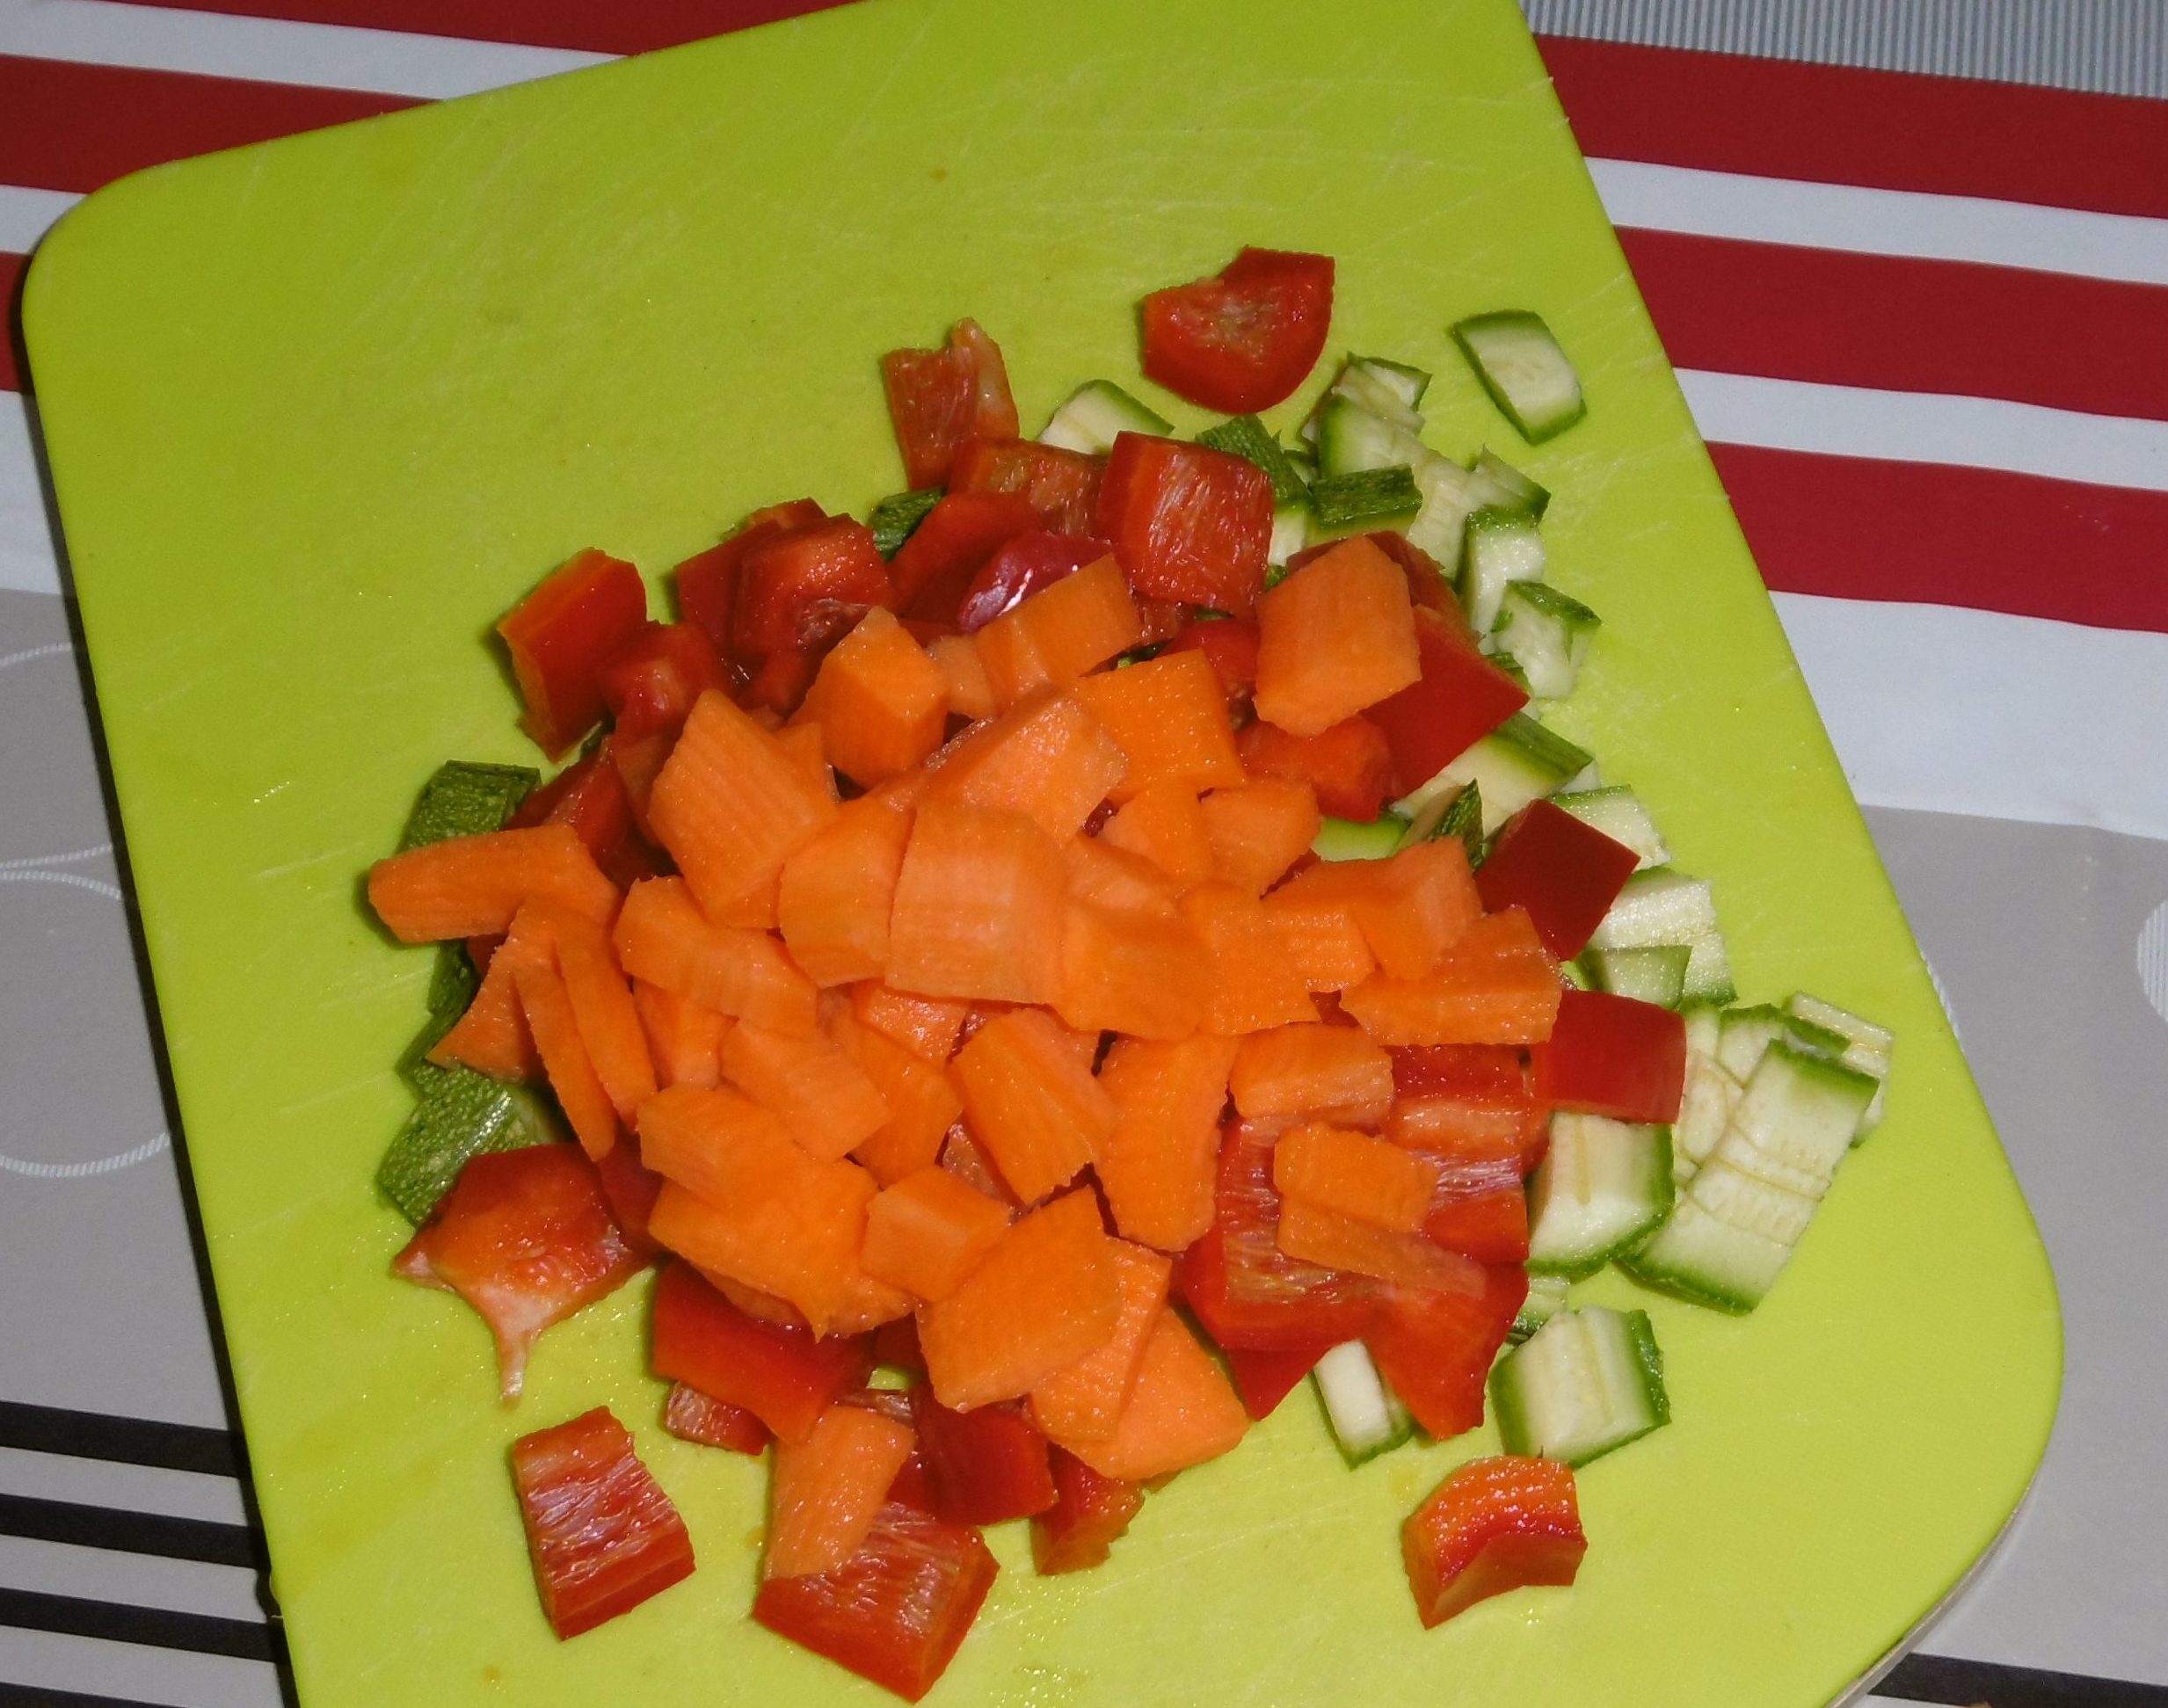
<point x="1046" y="968"/>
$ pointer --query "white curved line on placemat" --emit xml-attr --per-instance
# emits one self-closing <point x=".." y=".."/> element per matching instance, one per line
<point x="2153" y="959"/>
<point x="50" y="649"/>
<point x="74" y="1171"/>
<point x="34" y="863"/>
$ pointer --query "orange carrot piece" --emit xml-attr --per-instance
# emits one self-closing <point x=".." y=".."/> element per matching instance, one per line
<point x="867" y="1304"/>
<point x="1165" y="823"/>
<point x="663" y="937"/>
<point x="1497" y="984"/>
<point x="1314" y="910"/>
<point x="1045" y="1296"/>
<point x="609" y="1023"/>
<point x="1169" y="716"/>
<point x="1258" y="829"/>
<point x="685" y="1039"/>
<point x="829" y="1487"/>
<point x="754" y="910"/>
<point x="1335" y="636"/>
<point x="880" y="701"/>
<point x="470" y="886"/>
<point x="1084" y="1401"/>
<point x="1181" y="1412"/>
<point x="978" y="906"/>
<point x="555" y="1031"/>
<point x="733" y="803"/>
<point x="1412" y="907"/>
<point x="928" y="1231"/>
<point x="963" y="1156"/>
<point x="823" y="1098"/>
<point x="1351" y="1174"/>
<point x="1107" y="876"/>
<point x="1157" y="1166"/>
<point x="970" y="697"/>
<point x="922" y="1104"/>
<point x="1133" y="972"/>
<point x="1334" y="1073"/>
<point x="806" y="744"/>
<point x="740" y="1198"/>
<point x="1031" y="1103"/>
<point x="1046" y="758"/>
<point x="492" y="1037"/>
<point x="1060" y="632"/>
<point x="1256" y="983"/>
<point x="927" y="1026"/>
<point x="836" y="892"/>
<point x="1341" y="1242"/>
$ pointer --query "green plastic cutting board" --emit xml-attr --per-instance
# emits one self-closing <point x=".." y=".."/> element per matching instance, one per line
<point x="320" y="411"/>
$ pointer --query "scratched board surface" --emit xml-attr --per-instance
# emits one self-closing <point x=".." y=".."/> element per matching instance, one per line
<point x="393" y="374"/>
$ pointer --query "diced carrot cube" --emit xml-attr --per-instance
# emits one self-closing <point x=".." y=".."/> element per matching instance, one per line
<point x="1348" y="766"/>
<point x="1133" y="973"/>
<point x="733" y="803"/>
<point x="685" y="1038"/>
<point x="1046" y="758"/>
<point x="963" y="1156"/>
<point x="1351" y="1174"/>
<point x="970" y="697"/>
<point x="1335" y="1241"/>
<point x="880" y="701"/>
<point x="555" y="1031"/>
<point x="470" y="886"/>
<point x="663" y="937"/>
<point x="806" y="744"/>
<point x="1497" y="984"/>
<point x="1168" y="717"/>
<point x="928" y="1232"/>
<point x="1315" y="915"/>
<point x="922" y="1104"/>
<point x="757" y="910"/>
<point x="1157" y="1166"/>
<point x="1413" y="906"/>
<point x="1112" y="877"/>
<point x="602" y="1005"/>
<point x="1165" y="823"/>
<point x="1181" y="1412"/>
<point x="1045" y="1296"/>
<point x="822" y="1096"/>
<point x="979" y="908"/>
<point x="1312" y="1072"/>
<point x="1084" y="1401"/>
<point x="1060" y="632"/>
<point x="1030" y="1100"/>
<point x="1257" y="829"/>
<point x="829" y="1487"/>
<point x="1256" y="983"/>
<point x="1336" y="636"/>
<point x="836" y="892"/>
<point x="927" y="1026"/>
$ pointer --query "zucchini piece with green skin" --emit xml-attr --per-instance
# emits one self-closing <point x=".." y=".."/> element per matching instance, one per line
<point x="1586" y="1383"/>
<point x="1499" y="482"/>
<point x="1363" y="503"/>
<point x="1517" y="762"/>
<point x="1708" y="1097"/>
<point x="1502" y="547"/>
<point x="1618" y="813"/>
<point x="1095" y="413"/>
<point x="1380" y="388"/>
<point x="1601" y="1186"/>
<point x="897" y="518"/>
<point x="1524" y="371"/>
<point x="1450" y="496"/>
<point x="1547" y="1298"/>
<point x="464" y="797"/>
<point x="458" y="1114"/>
<point x="1456" y="815"/>
<point x="1348" y="839"/>
<point x="1248" y="438"/>
<point x="1659" y="905"/>
<point x="1703" y="1258"/>
<point x="1547" y="633"/>
<point x="1801" y="1110"/>
<point x="1351" y="439"/>
<point x="1406" y="383"/>
<point x="1655" y="974"/>
<point x="1366" y="1417"/>
<point x="1867" y="1046"/>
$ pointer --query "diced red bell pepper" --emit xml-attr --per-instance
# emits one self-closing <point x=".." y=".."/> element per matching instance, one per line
<point x="631" y="1188"/>
<point x="1612" y="1055"/>
<point x="896" y="1344"/>
<point x="1265" y="1375"/>
<point x="982" y="1466"/>
<point x="651" y="684"/>
<point x="1469" y="1107"/>
<point x="1242" y="1287"/>
<point x="1493" y="1525"/>
<point x="526" y="1237"/>
<point x="1188" y="523"/>
<point x="1487" y="1072"/>
<point x="692" y="1416"/>
<point x="1565" y="873"/>
<point x="1429" y="585"/>
<point x="1231" y="645"/>
<point x="778" y="1371"/>
<point x="638" y="760"/>
<point x="1090" y="1514"/>
<point x="1020" y="567"/>
<point x="1489" y="1225"/>
<point x="1062" y="486"/>
<point x="561" y="633"/>
<point x="782" y="681"/>
<point x="1242" y="341"/>
<point x="1160" y="620"/>
<point x="1435" y="1349"/>
<point x="1348" y="765"/>
<point x="939" y="398"/>
<point x="706" y="584"/>
<point x="937" y="564"/>
<point x="1460" y="698"/>
<point x="603" y="1535"/>
<point x="591" y="796"/>
<point x="896" y="1611"/>
<point x="807" y="586"/>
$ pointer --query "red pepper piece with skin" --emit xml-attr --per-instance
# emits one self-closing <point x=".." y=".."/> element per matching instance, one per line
<point x="526" y="1237"/>
<point x="1230" y="643"/>
<point x="1244" y="340"/>
<point x="561" y="633"/>
<point x="638" y="760"/>
<point x="1460" y="698"/>
<point x="1565" y="873"/>
<point x="897" y="1611"/>
<point x="807" y="586"/>
<point x="1493" y="1525"/>
<point x="1265" y="1375"/>
<point x="782" y="680"/>
<point x="1160" y="620"/>
<point x="937" y="399"/>
<point x="1612" y="1055"/>
<point x="591" y="796"/>
<point x="982" y="1466"/>
<point x="1062" y="486"/>
<point x="1188" y="523"/>
<point x="1489" y="1225"/>
<point x="1429" y="585"/>
<point x="631" y="1189"/>
<point x="896" y="1344"/>
<point x="1089" y="1515"/>
<point x="777" y="1370"/>
<point x="692" y="1416"/>
<point x="937" y="565"/>
<point x="1435" y="1349"/>
<point x="651" y="684"/>
<point x="603" y="1535"/>
<point x="706" y="584"/>
<point x="1348" y="766"/>
<point x="1020" y="567"/>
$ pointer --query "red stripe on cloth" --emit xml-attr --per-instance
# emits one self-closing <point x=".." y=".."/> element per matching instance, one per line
<point x="1851" y="527"/>
<point x="616" y="26"/>
<point x="2096" y="344"/>
<point x="10" y="289"/>
<point x="1888" y="130"/>
<point x="69" y="127"/>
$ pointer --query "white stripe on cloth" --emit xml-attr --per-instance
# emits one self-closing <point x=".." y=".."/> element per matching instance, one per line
<point x="25" y="215"/>
<point x="273" y="50"/>
<point x="133" y="1487"/>
<point x="171" y="1678"/>
<point x="111" y="1574"/>
<point x="27" y="560"/>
